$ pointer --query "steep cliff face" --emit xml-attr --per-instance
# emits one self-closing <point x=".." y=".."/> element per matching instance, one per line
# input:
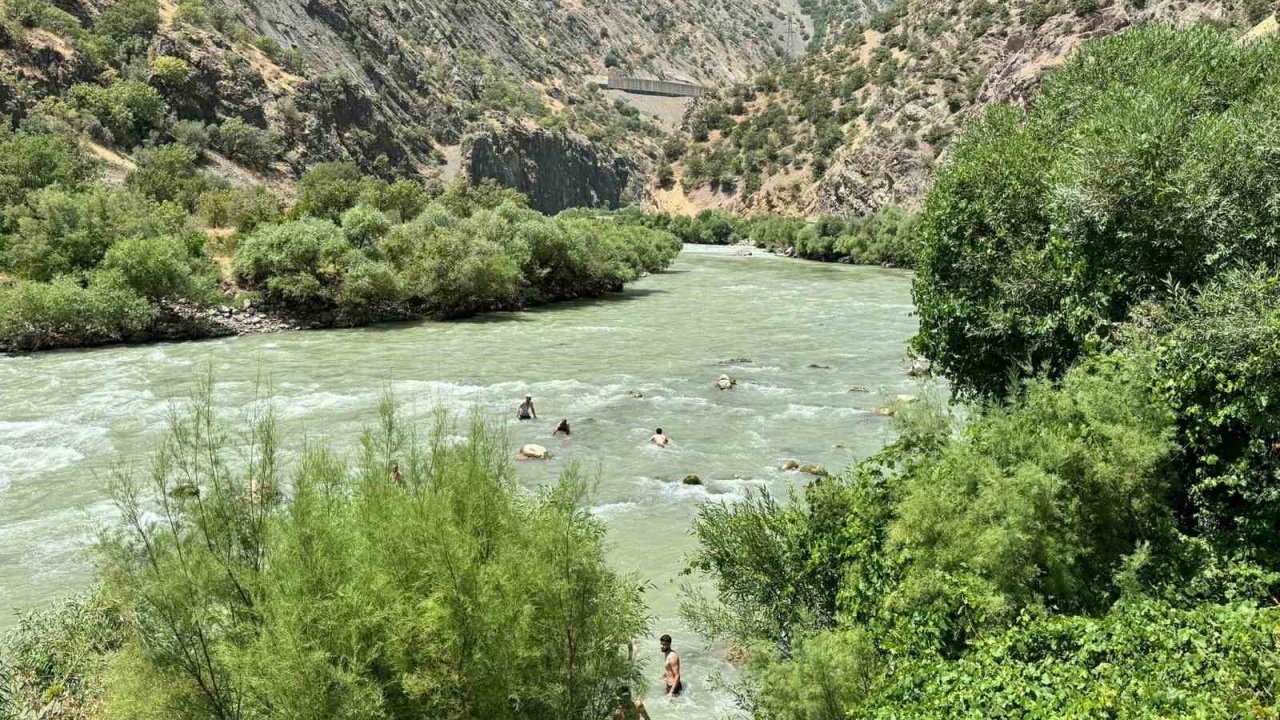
<point x="556" y="170"/>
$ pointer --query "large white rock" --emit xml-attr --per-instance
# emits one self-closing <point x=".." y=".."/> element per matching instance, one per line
<point x="533" y="451"/>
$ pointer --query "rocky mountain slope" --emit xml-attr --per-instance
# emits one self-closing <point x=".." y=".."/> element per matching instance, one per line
<point x="861" y="123"/>
<point x="392" y="85"/>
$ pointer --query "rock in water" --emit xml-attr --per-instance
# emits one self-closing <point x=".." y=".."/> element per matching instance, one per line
<point x="635" y="394"/>
<point x="184" y="490"/>
<point x="790" y="465"/>
<point x="724" y="383"/>
<point x="692" y="480"/>
<point x="533" y="451"/>
<point x="919" y="367"/>
<point x="815" y="470"/>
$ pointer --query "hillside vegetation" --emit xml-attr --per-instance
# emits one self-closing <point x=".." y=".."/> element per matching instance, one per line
<point x="863" y="122"/>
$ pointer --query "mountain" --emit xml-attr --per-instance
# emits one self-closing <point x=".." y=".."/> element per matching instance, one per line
<point x="396" y="86"/>
<point x="861" y="122"/>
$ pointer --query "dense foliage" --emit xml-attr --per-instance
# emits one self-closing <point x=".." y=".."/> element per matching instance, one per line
<point x="1098" y="543"/>
<point x="887" y="237"/>
<point x="1146" y="164"/>
<point x="418" y="580"/>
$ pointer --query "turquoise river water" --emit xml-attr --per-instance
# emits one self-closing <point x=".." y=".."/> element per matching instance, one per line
<point x="796" y="335"/>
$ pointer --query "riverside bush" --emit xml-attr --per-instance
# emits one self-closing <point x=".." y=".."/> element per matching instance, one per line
<point x="439" y="590"/>
<point x="35" y="315"/>
<point x="1143" y="165"/>
<point x="59" y="232"/>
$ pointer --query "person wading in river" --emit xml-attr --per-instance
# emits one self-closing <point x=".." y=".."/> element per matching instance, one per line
<point x="562" y="430"/>
<point x="659" y="439"/>
<point x="627" y="708"/>
<point x="526" y="410"/>
<point x="670" y="668"/>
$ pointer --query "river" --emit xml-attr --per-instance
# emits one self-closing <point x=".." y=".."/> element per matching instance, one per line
<point x="796" y="335"/>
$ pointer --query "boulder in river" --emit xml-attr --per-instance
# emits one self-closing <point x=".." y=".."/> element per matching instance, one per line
<point x="816" y="366"/>
<point x="790" y="465"/>
<point x="886" y="411"/>
<point x="182" y="491"/>
<point x="725" y="383"/>
<point x="919" y="367"/>
<point x="533" y="451"/>
<point x="692" y="479"/>
<point x="635" y="394"/>
<point x="815" y="470"/>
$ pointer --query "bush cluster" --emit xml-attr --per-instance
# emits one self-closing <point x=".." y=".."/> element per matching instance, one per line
<point x="462" y="254"/>
<point x="885" y="238"/>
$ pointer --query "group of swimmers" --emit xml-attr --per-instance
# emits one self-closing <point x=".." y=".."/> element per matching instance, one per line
<point x="526" y="411"/>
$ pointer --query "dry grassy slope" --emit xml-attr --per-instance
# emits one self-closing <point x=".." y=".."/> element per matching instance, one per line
<point x="946" y="60"/>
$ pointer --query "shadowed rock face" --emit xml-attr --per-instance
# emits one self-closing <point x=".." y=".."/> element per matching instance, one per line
<point x="557" y="171"/>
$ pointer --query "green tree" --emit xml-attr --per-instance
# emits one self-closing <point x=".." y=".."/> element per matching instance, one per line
<point x="1142" y="162"/>
<point x="327" y="190"/>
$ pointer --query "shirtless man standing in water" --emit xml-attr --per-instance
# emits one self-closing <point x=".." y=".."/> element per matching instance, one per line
<point x="659" y="439"/>
<point x="670" y="668"/>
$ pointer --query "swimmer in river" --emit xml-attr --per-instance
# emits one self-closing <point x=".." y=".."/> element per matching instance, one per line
<point x="526" y="410"/>
<point x="627" y="708"/>
<point x="659" y="439"/>
<point x="562" y="430"/>
<point x="670" y="668"/>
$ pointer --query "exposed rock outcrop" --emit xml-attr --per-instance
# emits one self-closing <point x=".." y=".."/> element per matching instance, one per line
<point x="556" y="170"/>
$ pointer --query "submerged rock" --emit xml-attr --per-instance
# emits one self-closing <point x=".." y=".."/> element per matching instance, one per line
<point x="532" y="451"/>
<point x="816" y="366"/>
<point x="635" y="394"/>
<point x="860" y="388"/>
<point x="692" y="479"/>
<point x="919" y="367"/>
<point x="184" y="490"/>
<point x="886" y="411"/>
<point x="790" y="465"/>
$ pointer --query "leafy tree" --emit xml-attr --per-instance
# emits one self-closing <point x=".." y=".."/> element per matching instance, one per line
<point x="1141" y="163"/>
<point x="168" y="173"/>
<point x="246" y="144"/>
<point x="364" y="225"/>
<point x="158" y="267"/>
<point x="34" y="161"/>
<point x="327" y="190"/>
<point x="129" y="110"/>
<point x="126" y="19"/>
<point x="297" y="261"/>
<point x="59" y="232"/>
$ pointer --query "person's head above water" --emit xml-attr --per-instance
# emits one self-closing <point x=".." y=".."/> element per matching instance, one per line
<point x="528" y="397"/>
<point x="665" y="643"/>
<point x="563" y="425"/>
<point x="658" y="431"/>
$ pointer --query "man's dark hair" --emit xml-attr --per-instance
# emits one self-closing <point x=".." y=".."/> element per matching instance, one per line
<point x="665" y="638"/>
<point x="660" y="432"/>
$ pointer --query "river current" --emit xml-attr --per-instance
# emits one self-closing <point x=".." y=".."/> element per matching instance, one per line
<point x="797" y="336"/>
